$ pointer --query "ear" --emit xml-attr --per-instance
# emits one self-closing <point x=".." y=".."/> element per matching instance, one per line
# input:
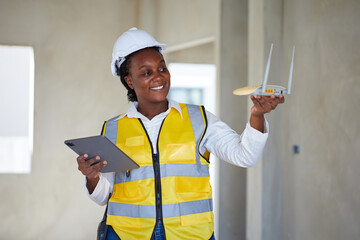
<point x="129" y="82"/>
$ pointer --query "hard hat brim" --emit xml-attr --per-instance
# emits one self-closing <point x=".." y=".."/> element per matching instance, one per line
<point x="117" y="61"/>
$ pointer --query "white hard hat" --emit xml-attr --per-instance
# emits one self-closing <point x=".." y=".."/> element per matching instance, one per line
<point x="129" y="42"/>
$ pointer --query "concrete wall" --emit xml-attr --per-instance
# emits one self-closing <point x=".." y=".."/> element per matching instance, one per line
<point x="232" y="73"/>
<point x="74" y="93"/>
<point x="183" y="26"/>
<point x="314" y="194"/>
<point x="321" y="188"/>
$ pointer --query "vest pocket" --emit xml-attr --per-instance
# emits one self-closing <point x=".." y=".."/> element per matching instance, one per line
<point x="199" y="218"/>
<point x="181" y="153"/>
<point x="124" y="222"/>
<point x="194" y="194"/>
<point x="128" y="192"/>
<point x="134" y="147"/>
<point x="135" y="141"/>
<point x="192" y="185"/>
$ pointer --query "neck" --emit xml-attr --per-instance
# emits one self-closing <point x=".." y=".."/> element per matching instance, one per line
<point x="150" y="110"/>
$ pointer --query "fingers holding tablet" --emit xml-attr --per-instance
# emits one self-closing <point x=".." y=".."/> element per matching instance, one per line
<point x="90" y="167"/>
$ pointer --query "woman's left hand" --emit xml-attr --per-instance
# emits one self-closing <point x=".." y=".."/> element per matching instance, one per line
<point x="265" y="104"/>
<point x="262" y="105"/>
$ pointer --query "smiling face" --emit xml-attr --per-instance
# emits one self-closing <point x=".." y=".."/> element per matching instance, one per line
<point x="149" y="77"/>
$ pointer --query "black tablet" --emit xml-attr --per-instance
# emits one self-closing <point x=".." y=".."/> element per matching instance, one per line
<point x="117" y="160"/>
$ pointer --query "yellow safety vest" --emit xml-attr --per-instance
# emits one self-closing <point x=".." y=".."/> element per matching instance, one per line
<point x="171" y="186"/>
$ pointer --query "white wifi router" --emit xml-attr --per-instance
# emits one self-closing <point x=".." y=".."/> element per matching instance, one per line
<point x="268" y="90"/>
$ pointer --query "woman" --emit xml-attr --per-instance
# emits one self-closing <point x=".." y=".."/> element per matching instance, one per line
<point x="169" y="196"/>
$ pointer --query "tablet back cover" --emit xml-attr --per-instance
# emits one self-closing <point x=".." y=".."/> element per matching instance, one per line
<point x="101" y="146"/>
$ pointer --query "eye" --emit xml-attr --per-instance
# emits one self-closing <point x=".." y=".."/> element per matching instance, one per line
<point x="162" y="69"/>
<point x="147" y="73"/>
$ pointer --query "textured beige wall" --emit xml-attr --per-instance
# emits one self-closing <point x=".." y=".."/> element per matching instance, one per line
<point x="74" y="93"/>
<point x="183" y="22"/>
<point x="256" y="58"/>
<point x="314" y="194"/>
<point x="232" y="72"/>
<point x="321" y="189"/>
<point x="186" y="20"/>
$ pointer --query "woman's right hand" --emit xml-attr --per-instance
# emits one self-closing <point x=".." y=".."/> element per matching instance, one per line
<point x="91" y="172"/>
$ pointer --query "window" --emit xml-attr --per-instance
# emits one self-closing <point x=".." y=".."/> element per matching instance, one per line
<point x="16" y="107"/>
<point x="193" y="83"/>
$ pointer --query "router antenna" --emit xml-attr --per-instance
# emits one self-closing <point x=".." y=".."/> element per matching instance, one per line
<point x="291" y="71"/>
<point x="267" y="70"/>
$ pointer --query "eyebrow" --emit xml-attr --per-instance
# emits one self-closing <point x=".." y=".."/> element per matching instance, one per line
<point x="143" y="66"/>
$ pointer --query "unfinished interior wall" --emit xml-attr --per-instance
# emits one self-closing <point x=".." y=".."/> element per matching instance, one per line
<point x="74" y="93"/>
<point x="313" y="194"/>
<point x="321" y="188"/>
<point x="188" y="27"/>
<point x="232" y="74"/>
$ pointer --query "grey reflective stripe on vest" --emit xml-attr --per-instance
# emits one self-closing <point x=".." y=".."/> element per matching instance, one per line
<point x="111" y="129"/>
<point x="169" y="210"/>
<point x="167" y="170"/>
<point x="198" y="125"/>
<point x="131" y="210"/>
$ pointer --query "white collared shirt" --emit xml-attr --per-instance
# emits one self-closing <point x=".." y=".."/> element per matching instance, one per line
<point x="152" y="126"/>
<point x="241" y="150"/>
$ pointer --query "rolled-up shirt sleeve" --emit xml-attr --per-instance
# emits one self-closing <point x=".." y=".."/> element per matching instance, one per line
<point x="241" y="150"/>
<point x="103" y="188"/>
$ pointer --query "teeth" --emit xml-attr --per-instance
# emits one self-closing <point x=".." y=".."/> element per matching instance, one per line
<point x="157" y="88"/>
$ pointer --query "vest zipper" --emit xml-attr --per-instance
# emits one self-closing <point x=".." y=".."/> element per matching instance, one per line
<point x="157" y="176"/>
<point x="156" y="163"/>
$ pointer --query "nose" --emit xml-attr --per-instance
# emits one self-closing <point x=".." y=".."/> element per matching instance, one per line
<point x="158" y="76"/>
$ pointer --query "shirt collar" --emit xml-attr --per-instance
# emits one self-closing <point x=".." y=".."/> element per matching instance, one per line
<point x="132" y="112"/>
